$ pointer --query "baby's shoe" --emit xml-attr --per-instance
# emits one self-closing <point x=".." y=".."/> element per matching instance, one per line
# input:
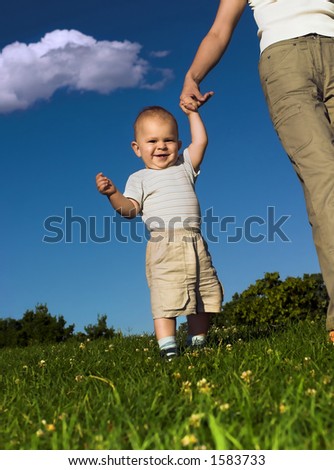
<point x="169" y="354"/>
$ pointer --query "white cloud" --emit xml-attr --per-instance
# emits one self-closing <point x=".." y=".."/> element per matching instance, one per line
<point x="70" y="59"/>
<point x="159" y="54"/>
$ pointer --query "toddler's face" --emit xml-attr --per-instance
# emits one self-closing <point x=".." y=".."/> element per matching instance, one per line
<point x="157" y="142"/>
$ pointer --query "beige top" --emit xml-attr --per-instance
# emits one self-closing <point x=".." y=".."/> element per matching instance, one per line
<point x="278" y="20"/>
<point x="166" y="197"/>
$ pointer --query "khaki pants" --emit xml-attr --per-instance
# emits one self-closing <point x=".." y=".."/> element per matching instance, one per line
<point x="180" y="275"/>
<point x="297" y="77"/>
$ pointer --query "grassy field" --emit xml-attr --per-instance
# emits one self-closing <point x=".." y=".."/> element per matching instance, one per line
<point x="248" y="389"/>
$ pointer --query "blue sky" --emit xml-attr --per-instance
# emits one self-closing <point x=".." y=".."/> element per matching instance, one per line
<point x="67" y="117"/>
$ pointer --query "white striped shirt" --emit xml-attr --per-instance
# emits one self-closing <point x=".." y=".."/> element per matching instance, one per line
<point x="167" y="198"/>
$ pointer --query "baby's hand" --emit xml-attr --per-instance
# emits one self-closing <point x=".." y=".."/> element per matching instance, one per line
<point x="104" y="185"/>
<point x="191" y="106"/>
<point x="192" y="103"/>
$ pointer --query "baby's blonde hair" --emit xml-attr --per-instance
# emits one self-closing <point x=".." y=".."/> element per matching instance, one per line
<point x="153" y="111"/>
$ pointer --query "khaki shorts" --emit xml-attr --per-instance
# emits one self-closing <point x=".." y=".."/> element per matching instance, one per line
<point x="180" y="275"/>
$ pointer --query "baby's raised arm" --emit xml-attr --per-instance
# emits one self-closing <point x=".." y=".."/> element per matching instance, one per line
<point x="199" y="137"/>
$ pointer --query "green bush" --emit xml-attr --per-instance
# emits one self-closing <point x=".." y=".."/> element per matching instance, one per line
<point x="100" y="330"/>
<point x="273" y="301"/>
<point x="34" y="327"/>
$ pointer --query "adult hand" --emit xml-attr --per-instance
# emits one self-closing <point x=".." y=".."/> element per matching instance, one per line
<point x="191" y="97"/>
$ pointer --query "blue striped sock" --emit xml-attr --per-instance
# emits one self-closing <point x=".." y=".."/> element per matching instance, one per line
<point x="167" y="342"/>
<point x="168" y="347"/>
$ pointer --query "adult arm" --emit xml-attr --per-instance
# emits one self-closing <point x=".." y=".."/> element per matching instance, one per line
<point x="210" y="51"/>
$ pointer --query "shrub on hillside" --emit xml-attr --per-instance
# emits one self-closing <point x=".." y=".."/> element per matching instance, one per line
<point x="34" y="327"/>
<point x="272" y="301"/>
<point x="100" y="330"/>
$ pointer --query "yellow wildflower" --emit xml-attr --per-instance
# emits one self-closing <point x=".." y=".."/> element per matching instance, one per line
<point x="186" y="387"/>
<point x="204" y="386"/>
<point x="193" y="353"/>
<point x="246" y="376"/>
<point x="189" y="440"/>
<point x="282" y="408"/>
<point x="224" y="407"/>
<point x="195" y="419"/>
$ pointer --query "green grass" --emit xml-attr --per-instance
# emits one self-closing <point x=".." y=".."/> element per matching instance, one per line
<point x="247" y="390"/>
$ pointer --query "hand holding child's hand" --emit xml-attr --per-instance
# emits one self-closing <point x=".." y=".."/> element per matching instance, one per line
<point x="190" y="108"/>
<point x="190" y="104"/>
<point x="104" y="185"/>
<point x="191" y="97"/>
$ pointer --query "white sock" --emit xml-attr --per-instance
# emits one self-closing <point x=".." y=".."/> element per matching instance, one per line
<point x="196" y="340"/>
<point x="167" y="342"/>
